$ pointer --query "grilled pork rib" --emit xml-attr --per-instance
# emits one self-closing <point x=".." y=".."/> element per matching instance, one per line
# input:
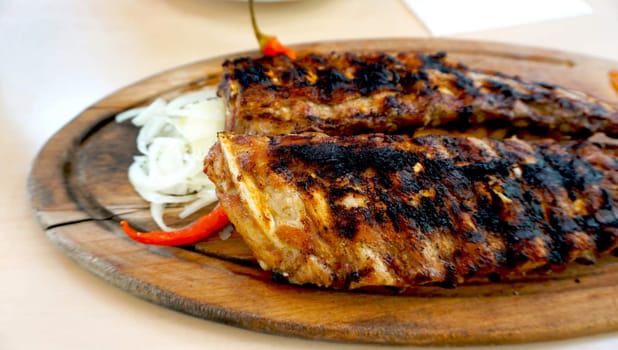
<point x="351" y="93"/>
<point x="387" y="210"/>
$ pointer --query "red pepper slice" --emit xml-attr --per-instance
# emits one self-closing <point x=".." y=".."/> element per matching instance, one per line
<point x="273" y="48"/>
<point x="269" y="45"/>
<point x="198" y="231"/>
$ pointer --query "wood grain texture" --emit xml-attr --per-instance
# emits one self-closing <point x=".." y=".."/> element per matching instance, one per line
<point x="79" y="192"/>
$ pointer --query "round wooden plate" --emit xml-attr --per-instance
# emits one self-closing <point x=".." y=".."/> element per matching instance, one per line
<point x="80" y="191"/>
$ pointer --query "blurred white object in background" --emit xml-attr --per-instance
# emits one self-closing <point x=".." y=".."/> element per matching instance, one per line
<point x="446" y="17"/>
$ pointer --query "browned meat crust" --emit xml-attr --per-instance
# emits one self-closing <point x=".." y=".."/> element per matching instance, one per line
<point x="351" y="93"/>
<point x="380" y="210"/>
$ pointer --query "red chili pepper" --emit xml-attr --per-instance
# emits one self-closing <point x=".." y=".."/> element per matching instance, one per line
<point x="273" y="48"/>
<point x="198" y="231"/>
<point x="269" y="45"/>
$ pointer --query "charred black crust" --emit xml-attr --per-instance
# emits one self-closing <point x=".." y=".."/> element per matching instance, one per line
<point x="278" y="277"/>
<point x="251" y="75"/>
<point x="536" y="221"/>
<point x="459" y="184"/>
<point x="474" y="97"/>
<point x="373" y="76"/>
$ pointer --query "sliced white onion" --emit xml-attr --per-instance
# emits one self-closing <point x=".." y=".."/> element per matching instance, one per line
<point x="173" y="140"/>
<point x="179" y="105"/>
<point x="155" y="110"/>
<point x="226" y="232"/>
<point x="204" y="199"/>
<point x="156" y="211"/>
<point x="129" y="114"/>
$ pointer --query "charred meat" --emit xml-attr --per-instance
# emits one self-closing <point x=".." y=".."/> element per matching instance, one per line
<point x="345" y="93"/>
<point x="389" y="210"/>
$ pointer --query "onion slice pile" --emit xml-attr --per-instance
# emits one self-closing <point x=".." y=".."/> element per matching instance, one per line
<point x="174" y="138"/>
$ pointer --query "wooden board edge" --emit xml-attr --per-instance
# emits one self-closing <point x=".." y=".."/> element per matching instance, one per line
<point x="109" y="105"/>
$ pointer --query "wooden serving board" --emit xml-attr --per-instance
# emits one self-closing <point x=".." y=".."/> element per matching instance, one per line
<point x="80" y="191"/>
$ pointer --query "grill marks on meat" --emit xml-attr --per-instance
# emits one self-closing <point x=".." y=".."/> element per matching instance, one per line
<point x="380" y="210"/>
<point x="351" y="93"/>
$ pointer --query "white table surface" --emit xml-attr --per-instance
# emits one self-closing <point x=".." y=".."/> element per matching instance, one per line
<point x="58" y="57"/>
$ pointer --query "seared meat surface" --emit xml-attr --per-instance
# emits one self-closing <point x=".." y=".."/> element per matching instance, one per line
<point x="390" y="210"/>
<point x="350" y="93"/>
